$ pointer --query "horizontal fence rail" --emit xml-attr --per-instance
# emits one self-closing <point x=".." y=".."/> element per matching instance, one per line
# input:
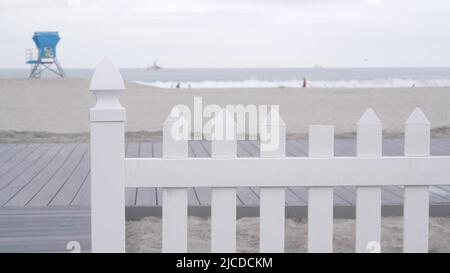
<point x="320" y="172"/>
<point x="307" y="172"/>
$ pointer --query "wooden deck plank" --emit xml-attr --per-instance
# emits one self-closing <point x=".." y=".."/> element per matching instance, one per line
<point x="38" y="182"/>
<point x="397" y="146"/>
<point x="253" y="150"/>
<point x="300" y="192"/>
<point x="346" y="193"/>
<point x="302" y="145"/>
<point x="8" y="177"/>
<point x="157" y="152"/>
<point x="17" y="158"/>
<point x="11" y="152"/>
<point x="389" y="147"/>
<point x="246" y="195"/>
<point x="440" y="146"/>
<point x="339" y="150"/>
<point x="292" y="199"/>
<point x="51" y="188"/>
<point x="76" y="189"/>
<point x="83" y="196"/>
<point x="203" y="194"/>
<point x="4" y="147"/>
<point x="146" y="196"/>
<point x="198" y="149"/>
<point x="132" y="150"/>
<point x="196" y="195"/>
<point x="69" y="190"/>
<point x="252" y="146"/>
<point x="293" y="150"/>
<point x="389" y="196"/>
<point x="349" y="147"/>
<point x="17" y="193"/>
<point x="8" y="150"/>
<point x="43" y="229"/>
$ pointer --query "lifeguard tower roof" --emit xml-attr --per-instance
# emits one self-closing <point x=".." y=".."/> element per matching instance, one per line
<point x="46" y="43"/>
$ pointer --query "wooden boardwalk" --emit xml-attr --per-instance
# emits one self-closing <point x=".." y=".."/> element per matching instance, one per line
<point x="44" y="191"/>
<point x="47" y="175"/>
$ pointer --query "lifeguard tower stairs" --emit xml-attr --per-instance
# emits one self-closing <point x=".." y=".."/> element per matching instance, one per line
<point x="46" y="55"/>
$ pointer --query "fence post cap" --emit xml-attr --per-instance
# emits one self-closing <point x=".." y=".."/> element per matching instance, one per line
<point x="369" y="118"/>
<point x="106" y="77"/>
<point x="107" y="85"/>
<point x="268" y="119"/>
<point x="417" y="117"/>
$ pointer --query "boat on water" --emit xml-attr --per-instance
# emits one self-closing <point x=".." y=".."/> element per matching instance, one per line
<point x="154" y="67"/>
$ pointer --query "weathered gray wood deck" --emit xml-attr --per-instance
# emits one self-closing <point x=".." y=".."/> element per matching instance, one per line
<point x="46" y="175"/>
<point x="44" y="191"/>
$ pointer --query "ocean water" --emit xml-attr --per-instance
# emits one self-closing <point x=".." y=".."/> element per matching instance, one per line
<point x="271" y="77"/>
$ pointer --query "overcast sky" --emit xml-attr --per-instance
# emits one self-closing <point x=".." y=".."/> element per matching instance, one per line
<point x="232" y="33"/>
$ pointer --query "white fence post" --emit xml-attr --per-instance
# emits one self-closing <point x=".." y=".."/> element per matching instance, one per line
<point x="175" y="200"/>
<point x="416" y="198"/>
<point x="223" y="200"/>
<point x="368" y="199"/>
<point x="107" y="160"/>
<point x="320" y="199"/>
<point x="272" y="200"/>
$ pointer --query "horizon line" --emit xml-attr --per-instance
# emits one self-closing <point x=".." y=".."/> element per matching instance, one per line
<point x="275" y="67"/>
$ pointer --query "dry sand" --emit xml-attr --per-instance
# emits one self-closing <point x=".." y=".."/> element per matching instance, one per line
<point x="57" y="109"/>
<point x="145" y="235"/>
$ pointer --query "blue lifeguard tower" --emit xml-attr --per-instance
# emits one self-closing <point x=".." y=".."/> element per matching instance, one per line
<point x="46" y="55"/>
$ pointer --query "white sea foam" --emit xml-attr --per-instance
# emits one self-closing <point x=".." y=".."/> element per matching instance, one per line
<point x="252" y="83"/>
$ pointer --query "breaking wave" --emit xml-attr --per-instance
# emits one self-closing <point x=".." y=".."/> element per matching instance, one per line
<point x="374" y="83"/>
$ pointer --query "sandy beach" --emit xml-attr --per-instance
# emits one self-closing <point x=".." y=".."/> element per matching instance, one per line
<point x="57" y="109"/>
<point x="145" y="235"/>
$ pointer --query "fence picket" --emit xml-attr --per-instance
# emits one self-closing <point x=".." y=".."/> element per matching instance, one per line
<point x="174" y="200"/>
<point x="416" y="198"/>
<point x="320" y="199"/>
<point x="272" y="200"/>
<point x="368" y="199"/>
<point x="223" y="200"/>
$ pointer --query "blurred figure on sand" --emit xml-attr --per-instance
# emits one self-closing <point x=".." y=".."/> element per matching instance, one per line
<point x="304" y="82"/>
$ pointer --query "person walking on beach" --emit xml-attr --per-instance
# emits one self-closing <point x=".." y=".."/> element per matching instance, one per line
<point x="304" y="82"/>
<point x="178" y="85"/>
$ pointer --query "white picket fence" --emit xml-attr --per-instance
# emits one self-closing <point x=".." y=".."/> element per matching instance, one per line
<point x="111" y="172"/>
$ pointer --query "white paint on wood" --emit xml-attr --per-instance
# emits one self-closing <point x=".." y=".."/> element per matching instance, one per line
<point x="107" y="161"/>
<point x="368" y="199"/>
<point x="106" y="77"/>
<point x="320" y="199"/>
<point x="416" y="216"/>
<point x="368" y="218"/>
<point x="174" y="200"/>
<point x="223" y="220"/>
<point x="289" y="171"/>
<point x="272" y="200"/>
<point x="416" y="198"/>
<point x="223" y="199"/>
<point x="174" y="221"/>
